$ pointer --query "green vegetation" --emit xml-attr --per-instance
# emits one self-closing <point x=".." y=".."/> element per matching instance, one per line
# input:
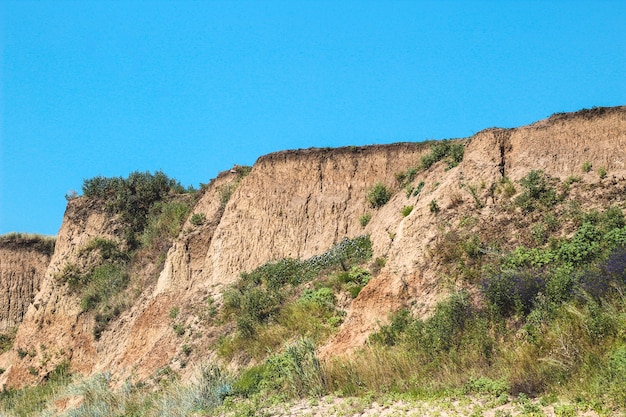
<point x="507" y="187"/>
<point x="434" y="207"/>
<point x="197" y="219"/>
<point x="587" y="166"/>
<point x="100" y="285"/>
<point x="365" y="219"/>
<point x="7" y="339"/>
<point x="602" y="172"/>
<point x="132" y="198"/>
<point x="378" y="195"/>
<point x="165" y="220"/>
<point x="547" y="318"/>
<point x="450" y="151"/>
<point x="270" y="303"/>
<point x="541" y="321"/>
<point x="226" y="191"/>
<point x="406" y="210"/>
<point x="419" y="188"/>
<point x="473" y="190"/>
<point x="537" y="191"/>
<point x="153" y="208"/>
<point x="31" y="401"/>
<point x="407" y="177"/>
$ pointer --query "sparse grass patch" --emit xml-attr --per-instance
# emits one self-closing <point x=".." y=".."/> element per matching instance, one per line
<point x="7" y="339"/>
<point x="43" y="244"/>
<point x="165" y="221"/>
<point x="365" y="219"/>
<point x="406" y="210"/>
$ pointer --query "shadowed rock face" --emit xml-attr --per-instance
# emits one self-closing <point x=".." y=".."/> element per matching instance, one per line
<point x="298" y="204"/>
<point x="23" y="263"/>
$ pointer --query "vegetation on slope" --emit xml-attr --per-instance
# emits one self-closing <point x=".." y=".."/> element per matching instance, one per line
<point x="539" y="312"/>
<point x="290" y="298"/>
<point x="153" y="207"/>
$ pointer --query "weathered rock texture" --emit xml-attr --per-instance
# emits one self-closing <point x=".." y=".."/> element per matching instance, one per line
<point x="23" y="263"/>
<point x="298" y="204"/>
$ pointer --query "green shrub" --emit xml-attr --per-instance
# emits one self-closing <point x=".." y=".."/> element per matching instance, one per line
<point x="225" y="192"/>
<point x="444" y="329"/>
<point x="443" y="149"/>
<point x="508" y="188"/>
<point x="378" y="195"/>
<point x="21" y="353"/>
<point x="179" y="329"/>
<point x="132" y="198"/>
<point x="108" y="249"/>
<point x="587" y="166"/>
<point x="406" y="210"/>
<point x="602" y="172"/>
<point x="258" y="296"/>
<point x="536" y="190"/>
<point x="249" y="381"/>
<point x="572" y="179"/>
<point x="434" y="207"/>
<point x="438" y="334"/>
<point x="351" y="281"/>
<point x="365" y="219"/>
<point x="102" y="284"/>
<point x="323" y="297"/>
<point x="99" y="289"/>
<point x="393" y="333"/>
<point x="511" y="292"/>
<point x="419" y="188"/>
<point x="197" y="219"/>
<point x="407" y="177"/>
<point x="296" y="372"/>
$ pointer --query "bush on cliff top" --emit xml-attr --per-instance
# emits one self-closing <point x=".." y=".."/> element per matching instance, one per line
<point x="133" y="197"/>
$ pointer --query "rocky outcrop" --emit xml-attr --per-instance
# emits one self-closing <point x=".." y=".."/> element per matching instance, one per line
<point x="298" y="204"/>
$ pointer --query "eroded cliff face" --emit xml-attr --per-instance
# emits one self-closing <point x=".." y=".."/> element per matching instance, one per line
<point x="298" y="204"/>
<point x="23" y="262"/>
<point x="54" y="328"/>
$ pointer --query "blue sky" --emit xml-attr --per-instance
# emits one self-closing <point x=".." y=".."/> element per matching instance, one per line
<point x="193" y="87"/>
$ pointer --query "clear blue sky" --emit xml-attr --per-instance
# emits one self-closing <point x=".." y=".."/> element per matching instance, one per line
<point x="192" y="87"/>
